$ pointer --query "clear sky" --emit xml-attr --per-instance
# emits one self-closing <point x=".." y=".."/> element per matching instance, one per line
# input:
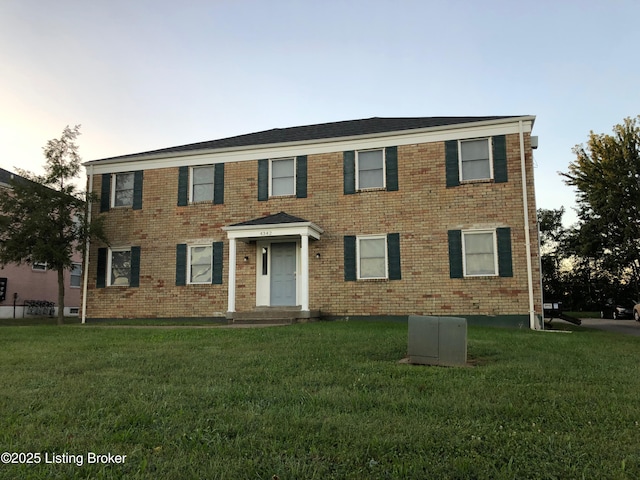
<point x="146" y="74"/>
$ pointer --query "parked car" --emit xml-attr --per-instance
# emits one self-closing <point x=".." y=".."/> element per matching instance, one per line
<point x="619" y="311"/>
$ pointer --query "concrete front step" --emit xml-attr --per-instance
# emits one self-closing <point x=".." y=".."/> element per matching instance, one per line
<point x="275" y="315"/>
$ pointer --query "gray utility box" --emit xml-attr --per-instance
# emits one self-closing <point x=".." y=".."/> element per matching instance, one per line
<point x="437" y="340"/>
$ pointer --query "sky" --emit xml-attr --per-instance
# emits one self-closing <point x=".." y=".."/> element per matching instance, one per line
<point x="140" y="75"/>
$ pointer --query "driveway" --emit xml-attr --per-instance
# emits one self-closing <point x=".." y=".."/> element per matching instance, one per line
<point x="628" y="327"/>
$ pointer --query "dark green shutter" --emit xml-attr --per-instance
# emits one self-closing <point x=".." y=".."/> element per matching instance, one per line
<point x="135" y="267"/>
<point x="218" y="253"/>
<point x="181" y="264"/>
<point x="263" y="180"/>
<point x="393" y="253"/>
<point x="183" y="186"/>
<point x="350" y="258"/>
<point x="391" y="165"/>
<point x="349" y="171"/>
<point x="500" y="159"/>
<point x="301" y="176"/>
<point x="451" y="163"/>
<point x="101" y="278"/>
<point x="505" y="267"/>
<point x="105" y="192"/>
<point x="218" y="184"/>
<point x="137" y="190"/>
<point x="455" y="254"/>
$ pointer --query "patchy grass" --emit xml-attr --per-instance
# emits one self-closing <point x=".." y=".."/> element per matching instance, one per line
<point x="318" y="401"/>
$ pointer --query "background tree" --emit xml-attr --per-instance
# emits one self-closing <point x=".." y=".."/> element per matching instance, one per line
<point x="606" y="175"/>
<point x="43" y="218"/>
<point x="552" y="240"/>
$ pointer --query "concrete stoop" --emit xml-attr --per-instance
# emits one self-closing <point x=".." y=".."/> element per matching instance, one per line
<point x="273" y="315"/>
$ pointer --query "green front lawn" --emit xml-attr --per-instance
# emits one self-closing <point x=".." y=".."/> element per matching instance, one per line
<point x="317" y="401"/>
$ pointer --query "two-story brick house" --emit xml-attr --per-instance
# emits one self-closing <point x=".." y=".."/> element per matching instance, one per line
<point x="372" y="217"/>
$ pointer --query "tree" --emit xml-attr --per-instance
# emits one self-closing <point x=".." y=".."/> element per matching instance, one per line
<point x="42" y="218"/>
<point x="552" y="238"/>
<point x="606" y="174"/>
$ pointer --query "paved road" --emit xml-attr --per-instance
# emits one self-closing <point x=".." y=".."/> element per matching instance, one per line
<point x="628" y="327"/>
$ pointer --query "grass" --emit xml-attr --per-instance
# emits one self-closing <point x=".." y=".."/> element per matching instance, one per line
<point x="318" y="401"/>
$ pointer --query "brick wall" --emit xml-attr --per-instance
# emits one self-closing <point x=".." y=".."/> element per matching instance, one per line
<point x="422" y="211"/>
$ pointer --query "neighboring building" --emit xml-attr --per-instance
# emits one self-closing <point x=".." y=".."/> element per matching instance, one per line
<point x="373" y="217"/>
<point x="36" y="282"/>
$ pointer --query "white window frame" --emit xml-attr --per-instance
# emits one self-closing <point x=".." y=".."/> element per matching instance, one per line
<point x="295" y="164"/>
<point x="79" y="276"/>
<point x="384" y="169"/>
<point x="191" y="184"/>
<point x="110" y="265"/>
<point x="490" y="148"/>
<point x="189" y="247"/>
<point x="114" y="179"/>
<point x="386" y="256"/>
<point x="495" y="252"/>
<point x="39" y="266"/>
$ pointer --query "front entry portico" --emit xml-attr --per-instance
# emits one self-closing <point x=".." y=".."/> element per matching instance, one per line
<point x="282" y="259"/>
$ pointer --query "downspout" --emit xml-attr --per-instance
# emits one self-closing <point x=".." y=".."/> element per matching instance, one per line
<point x="87" y="244"/>
<point x="527" y="237"/>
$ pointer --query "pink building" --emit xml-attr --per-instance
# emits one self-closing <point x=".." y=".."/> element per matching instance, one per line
<point x="24" y="283"/>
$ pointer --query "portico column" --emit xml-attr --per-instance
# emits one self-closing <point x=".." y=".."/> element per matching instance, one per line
<point x="232" y="276"/>
<point x="304" y="281"/>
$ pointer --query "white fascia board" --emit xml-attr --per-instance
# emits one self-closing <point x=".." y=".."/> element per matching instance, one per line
<point x="273" y="231"/>
<point x="442" y="133"/>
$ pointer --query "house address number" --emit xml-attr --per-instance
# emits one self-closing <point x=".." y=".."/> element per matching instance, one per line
<point x="266" y="233"/>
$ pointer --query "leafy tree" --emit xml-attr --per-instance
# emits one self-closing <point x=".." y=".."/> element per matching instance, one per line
<point x="42" y="218"/>
<point x="552" y="238"/>
<point x="606" y="175"/>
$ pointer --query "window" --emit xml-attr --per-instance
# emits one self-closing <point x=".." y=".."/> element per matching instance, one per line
<point x="200" y="263"/>
<point x="479" y="253"/>
<point x="372" y="257"/>
<point x="123" y="189"/>
<point x="202" y="184"/>
<point x="370" y="166"/>
<point x="76" y="275"/>
<point x="39" y="266"/>
<point x="475" y="159"/>
<point x="283" y="177"/>
<point x="119" y="267"/>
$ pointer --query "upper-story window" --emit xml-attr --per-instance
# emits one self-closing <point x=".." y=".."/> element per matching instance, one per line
<point x="475" y="159"/>
<point x="123" y="189"/>
<point x="76" y="275"/>
<point x="370" y="167"/>
<point x="202" y="184"/>
<point x="283" y="177"/>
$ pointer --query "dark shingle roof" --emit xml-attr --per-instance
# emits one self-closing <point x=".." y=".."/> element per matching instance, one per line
<point x="274" y="219"/>
<point x="319" y="131"/>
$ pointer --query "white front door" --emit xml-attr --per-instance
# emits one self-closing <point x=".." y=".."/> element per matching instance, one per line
<point x="283" y="274"/>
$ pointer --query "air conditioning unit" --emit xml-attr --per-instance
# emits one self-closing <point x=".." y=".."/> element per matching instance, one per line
<point x="437" y="340"/>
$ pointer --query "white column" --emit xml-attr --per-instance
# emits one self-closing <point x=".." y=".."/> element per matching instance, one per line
<point x="232" y="276"/>
<point x="304" y="281"/>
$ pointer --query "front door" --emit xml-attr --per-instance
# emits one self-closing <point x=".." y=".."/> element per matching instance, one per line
<point x="283" y="274"/>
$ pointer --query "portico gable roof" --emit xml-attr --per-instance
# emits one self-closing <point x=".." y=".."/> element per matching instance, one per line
<point x="271" y="226"/>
